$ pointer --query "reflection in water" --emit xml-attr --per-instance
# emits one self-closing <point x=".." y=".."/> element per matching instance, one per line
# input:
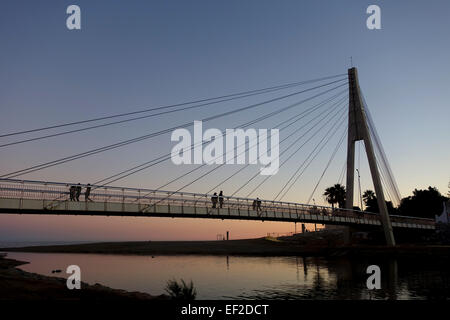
<point x="254" y="277"/>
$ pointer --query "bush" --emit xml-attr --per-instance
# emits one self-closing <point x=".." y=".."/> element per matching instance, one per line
<point x="181" y="291"/>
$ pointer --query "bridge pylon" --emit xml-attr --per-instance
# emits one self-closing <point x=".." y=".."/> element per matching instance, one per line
<point x="358" y="129"/>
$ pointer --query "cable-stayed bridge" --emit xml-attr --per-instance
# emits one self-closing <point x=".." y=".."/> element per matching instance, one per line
<point x="335" y="109"/>
<point x="37" y="197"/>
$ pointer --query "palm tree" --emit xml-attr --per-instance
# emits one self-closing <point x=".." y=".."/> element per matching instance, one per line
<point x="335" y="194"/>
<point x="368" y="196"/>
<point x="370" y="200"/>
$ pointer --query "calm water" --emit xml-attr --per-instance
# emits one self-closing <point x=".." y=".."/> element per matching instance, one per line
<point x="236" y="277"/>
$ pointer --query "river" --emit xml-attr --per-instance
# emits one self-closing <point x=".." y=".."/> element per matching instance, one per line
<point x="238" y="277"/>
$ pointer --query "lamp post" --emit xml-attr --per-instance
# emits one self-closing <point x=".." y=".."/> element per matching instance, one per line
<point x="359" y="185"/>
<point x="315" y="225"/>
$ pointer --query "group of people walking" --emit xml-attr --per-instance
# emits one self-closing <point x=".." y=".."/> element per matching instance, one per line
<point x="256" y="204"/>
<point x="75" y="192"/>
<point x="215" y="199"/>
<point x="219" y="199"/>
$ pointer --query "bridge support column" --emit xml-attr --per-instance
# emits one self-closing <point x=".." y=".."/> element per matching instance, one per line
<point x="358" y="129"/>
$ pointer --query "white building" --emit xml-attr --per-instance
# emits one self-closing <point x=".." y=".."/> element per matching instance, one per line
<point x="445" y="215"/>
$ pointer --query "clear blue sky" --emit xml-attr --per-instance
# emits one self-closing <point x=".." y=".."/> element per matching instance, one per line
<point x="134" y="54"/>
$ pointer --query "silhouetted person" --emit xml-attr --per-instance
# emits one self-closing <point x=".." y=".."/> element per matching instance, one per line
<point x="77" y="196"/>
<point x="221" y="198"/>
<point x="72" y="191"/>
<point x="87" y="192"/>
<point x="258" y="204"/>
<point x="214" y="200"/>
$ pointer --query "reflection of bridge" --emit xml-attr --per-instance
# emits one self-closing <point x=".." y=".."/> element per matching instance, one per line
<point x="36" y="197"/>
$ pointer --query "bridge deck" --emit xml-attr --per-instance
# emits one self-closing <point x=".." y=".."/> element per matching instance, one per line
<point x="36" y="197"/>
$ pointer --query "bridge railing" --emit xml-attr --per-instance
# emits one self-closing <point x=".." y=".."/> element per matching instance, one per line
<point x="55" y="192"/>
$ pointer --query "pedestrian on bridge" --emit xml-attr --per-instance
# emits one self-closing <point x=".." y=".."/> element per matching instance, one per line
<point x="87" y="192"/>
<point x="214" y="200"/>
<point x="72" y="192"/>
<point x="77" y="196"/>
<point x="258" y="204"/>
<point x="221" y="199"/>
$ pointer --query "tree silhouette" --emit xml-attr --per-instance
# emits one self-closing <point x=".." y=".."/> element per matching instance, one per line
<point x="335" y="194"/>
<point x="368" y="196"/>
<point x="371" y="202"/>
<point x="423" y="203"/>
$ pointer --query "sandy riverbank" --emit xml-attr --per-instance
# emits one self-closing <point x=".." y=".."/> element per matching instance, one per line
<point x="232" y="247"/>
<point x="308" y="245"/>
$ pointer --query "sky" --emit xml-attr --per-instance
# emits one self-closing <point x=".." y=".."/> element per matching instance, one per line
<point x="135" y="55"/>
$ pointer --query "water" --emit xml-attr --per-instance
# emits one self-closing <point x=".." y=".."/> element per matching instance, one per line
<point x="237" y="277"/>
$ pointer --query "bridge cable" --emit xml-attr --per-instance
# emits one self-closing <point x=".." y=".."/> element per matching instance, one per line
<point x="342" y="174"/>
<point x="307" y="165"/>
<point x="129" y="141"/>
<point x="168" y="156"/>
<point x="386" y="188"/>
<point x="135" y="118"/>
<point x="359" y="176"/>
<point x="290" y="156"/>
<point x="202" y="143"/>
<point x="328" y="164"/>
<point x="298" y="149"/>
<point x="269" y="149"/>
<point x="172" y="106"/>
<point x="381" y="156"/>
<point x="299" y="116"/>
<point x="205" y="174"/>
<point x="190" y="183"/>
<point x="311" y="154"/>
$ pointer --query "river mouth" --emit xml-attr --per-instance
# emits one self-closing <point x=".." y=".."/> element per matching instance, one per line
<point x="246" y="277"/>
